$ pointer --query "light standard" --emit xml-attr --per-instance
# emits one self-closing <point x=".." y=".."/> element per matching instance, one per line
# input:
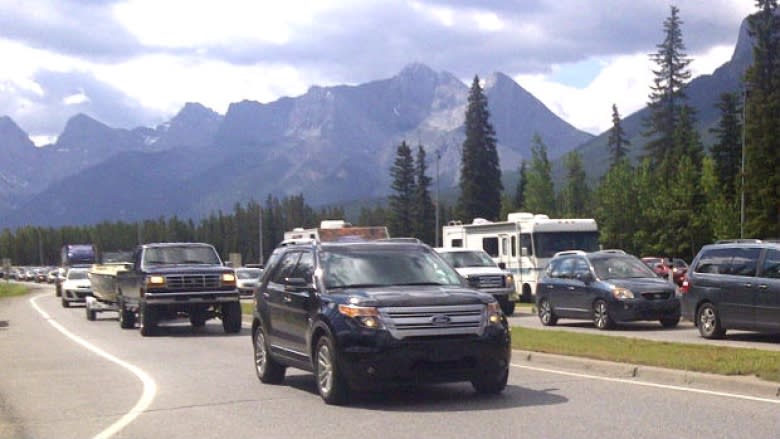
<point x="742" y="185"/>
<point x="436" y="214"/>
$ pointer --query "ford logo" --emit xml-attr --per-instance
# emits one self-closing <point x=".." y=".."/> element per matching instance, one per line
<point x="440" y="320"/>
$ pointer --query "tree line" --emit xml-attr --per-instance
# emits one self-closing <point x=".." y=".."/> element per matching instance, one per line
<point x="678" y="196"/>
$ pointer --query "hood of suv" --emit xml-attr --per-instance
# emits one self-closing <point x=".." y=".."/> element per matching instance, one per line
<point x="643" y="284"/>
<point x="405" y="296"/>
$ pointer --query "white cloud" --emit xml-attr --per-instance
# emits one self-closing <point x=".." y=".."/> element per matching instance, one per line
<point x="76" y="98"/>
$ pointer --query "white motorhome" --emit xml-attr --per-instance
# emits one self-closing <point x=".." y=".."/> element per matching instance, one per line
<point x="524" y="243"/>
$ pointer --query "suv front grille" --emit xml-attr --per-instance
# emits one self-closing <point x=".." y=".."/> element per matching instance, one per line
<point x="486" y="281"/>
<point x="434" y="320"/>
<point x="656" y="295"/>
<point x="192" y="281"/>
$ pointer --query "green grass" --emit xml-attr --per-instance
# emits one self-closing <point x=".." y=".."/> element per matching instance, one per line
<point x="247" y="307"/>
<point x="9" y="289"/>
<point x="691" y="357"/>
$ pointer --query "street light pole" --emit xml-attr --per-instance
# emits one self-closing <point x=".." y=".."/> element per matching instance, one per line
<point x="438" y="156"/>
<point x="742" y="185"/>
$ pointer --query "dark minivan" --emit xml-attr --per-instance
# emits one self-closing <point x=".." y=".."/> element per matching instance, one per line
<point x="734" y="286"/>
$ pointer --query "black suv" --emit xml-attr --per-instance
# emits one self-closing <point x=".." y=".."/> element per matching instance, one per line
<point x="734" y="286"/>
<point x="365" y="314"/>
<point x="608" y="287"/>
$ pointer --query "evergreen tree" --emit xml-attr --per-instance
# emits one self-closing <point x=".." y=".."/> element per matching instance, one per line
<point x="519" y="201"/>
<point x="762" y="113"/>
<point x="576" y="194"/>
<point x="539" y="190"/>
<point x="727" y="151"/>
<point x="667" y="93"/>
<point x="616" y="207"/>
<point x="721" y="209"/>
<point x="424" y="210"/>
<point x="401" y="201"/>
<point x="617" y="143"/>
<point x="480" y="176"/>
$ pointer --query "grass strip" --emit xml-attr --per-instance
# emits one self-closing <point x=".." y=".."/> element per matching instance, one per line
<point x="691" y="357"/>
<point x="9" y="290"/>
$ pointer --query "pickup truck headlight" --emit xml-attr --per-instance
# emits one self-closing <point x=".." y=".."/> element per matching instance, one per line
<point x="509" y="281"/>
<point x="155" y="281"/>
<point x="493" y="313"/>
<point x="366" y="316"/>
<point x="228" y="279"/>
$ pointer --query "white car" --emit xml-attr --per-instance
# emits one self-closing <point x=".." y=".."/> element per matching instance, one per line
<point x="247" y="279"/>
<point x="75" y="287"/>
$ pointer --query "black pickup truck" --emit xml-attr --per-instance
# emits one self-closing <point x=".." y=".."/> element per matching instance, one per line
<point x="173" y="280"/>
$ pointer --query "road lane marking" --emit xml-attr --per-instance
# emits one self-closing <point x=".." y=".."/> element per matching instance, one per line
<point x="150" y="387"/>
<point x="649" y="384"/>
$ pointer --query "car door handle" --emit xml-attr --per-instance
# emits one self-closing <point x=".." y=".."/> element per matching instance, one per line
<point x="748" y="285"/>
<point x="550" y="286"/>
<point x="763" y="286"/>
<point x="571" y="288"/>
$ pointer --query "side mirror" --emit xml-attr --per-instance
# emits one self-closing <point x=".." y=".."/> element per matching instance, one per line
<point x="585" y="277"/>
<point x="502" y="265"/>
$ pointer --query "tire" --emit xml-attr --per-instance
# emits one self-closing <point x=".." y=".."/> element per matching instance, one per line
<point x="148" y="319"/>
<point x="198" y="318"/>
<point x="491" y="384"/>
<point x="267" y="369"/>
<point x="546" y="314"/>
<point x="65" y="303"/>
<point x="91" y="313"/>
<point x="126" y="317"/>
<point x="708" y="322"/>
<point x="601" y="318"/>
<point x="231" y="317"/>
<point x="57" y="291"/>
<point x="525" y="297"/>
<point x="330" y="384"/>
<point x="507" y="306"/>
<point x="670" y="322"/>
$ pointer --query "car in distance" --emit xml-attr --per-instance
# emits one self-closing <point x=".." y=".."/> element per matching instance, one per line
<point x="484" y="274"/>
<point x="247" y="279"/>
<point x="75" y="287"/>
<point x="607" y="287"/>
<point x="733" y="286"/>
<point x="362" y="315"/>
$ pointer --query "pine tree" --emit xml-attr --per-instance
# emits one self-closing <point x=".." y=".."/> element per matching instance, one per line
<point x="721" y="210"/>
<point x="667" y="92"/>
<point x="576" y="194"/>
<point x="424" y="211"/>
<point x="401" y="202"/>
<point x="762" y="130"/>
<point x="539" y="190"/>
<point x="519" y="200"/>
<point x="727" y="151"/>
<point x="480" y="176"/>
<point x="616" y="207"/>
<point x="617" y="143"/>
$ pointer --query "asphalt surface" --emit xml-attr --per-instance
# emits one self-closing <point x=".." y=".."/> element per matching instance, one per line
<point x="201" y="383"/>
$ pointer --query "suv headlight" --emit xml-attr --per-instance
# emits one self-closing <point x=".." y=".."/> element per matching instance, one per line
<point x="365" y="316"/>
<point x="622" y="293"/>
<point x="493" y="313"/>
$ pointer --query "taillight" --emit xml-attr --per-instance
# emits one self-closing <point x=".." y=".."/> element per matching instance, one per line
<point x="685" y="286"/>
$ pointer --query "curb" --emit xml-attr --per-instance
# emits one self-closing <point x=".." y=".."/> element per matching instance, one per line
<point x="740" y="385"/>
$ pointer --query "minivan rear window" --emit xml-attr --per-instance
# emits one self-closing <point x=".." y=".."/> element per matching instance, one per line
<point x="733" y="261"/>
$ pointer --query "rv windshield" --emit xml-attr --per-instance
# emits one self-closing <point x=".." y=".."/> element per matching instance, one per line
<point x="546" y="244"/>
<point x="461" y="259"/>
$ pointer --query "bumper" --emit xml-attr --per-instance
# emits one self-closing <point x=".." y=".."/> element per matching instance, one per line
<point x="633" y="310"/>
<point x="200" y="297"/>
<point x="246" y="293"/>
<point x="76" y="296"/>
<point x="381" y="361"/>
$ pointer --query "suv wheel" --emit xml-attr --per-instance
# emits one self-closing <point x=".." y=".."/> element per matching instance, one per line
<point x="268" y="370"/>
<point x="491" y="384"/>
<point x="601" y="317"/>
<point x="231" y="317"/>
<point x="330" y="384"/>
<point x="546" y="314"/>
<point x="708" y="322"/>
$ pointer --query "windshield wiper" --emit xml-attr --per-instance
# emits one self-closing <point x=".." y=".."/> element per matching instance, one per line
<point x="358" y="286"/>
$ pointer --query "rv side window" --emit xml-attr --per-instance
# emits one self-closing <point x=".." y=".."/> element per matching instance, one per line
<point x="490" y="245"/>
<point x="456" y="243"/>
<point x="525" y="241"/>
<point x="503" y="246"/>
<point x="514" y="246"/>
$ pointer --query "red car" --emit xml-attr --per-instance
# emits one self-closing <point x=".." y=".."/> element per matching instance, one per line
<point x="661" y="267"/>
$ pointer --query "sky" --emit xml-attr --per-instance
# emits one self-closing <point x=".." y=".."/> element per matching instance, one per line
<point x="136" y="63"/>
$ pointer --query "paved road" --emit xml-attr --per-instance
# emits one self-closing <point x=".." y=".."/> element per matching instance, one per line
<point x="201" y="383"/>
<point x="685" y="332"/>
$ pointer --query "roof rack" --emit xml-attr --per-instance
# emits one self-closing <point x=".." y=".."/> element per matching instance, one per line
<point x="401" y="239"/>
<point x="569" y="252"/>
<point x="739" y="241"/>
<point x="614" y="251"/>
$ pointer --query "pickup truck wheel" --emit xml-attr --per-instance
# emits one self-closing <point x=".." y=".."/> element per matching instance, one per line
<point x="198" y="318"/>
<point x="231" y="317"/>
<point x="268" y="370"/>
<point x="507" y="306"/>
<point x="491" y="384"/>
<point x="126" y="317"/>
<point x="148" y="315"/>
<point x="330" y="383"/>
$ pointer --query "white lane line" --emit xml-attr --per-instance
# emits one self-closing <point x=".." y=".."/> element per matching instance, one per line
<point x="150" y="387"/>
<point x="649" y="384"/>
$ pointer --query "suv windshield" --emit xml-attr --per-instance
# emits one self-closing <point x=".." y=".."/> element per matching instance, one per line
<point x="468" y="259"/>
<point x="348" y="267"/>
<point x="181" y="255"/>
<point x="620" y="267"/>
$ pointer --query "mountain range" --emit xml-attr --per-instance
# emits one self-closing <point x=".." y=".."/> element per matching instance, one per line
<point x="332" y="144"/>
